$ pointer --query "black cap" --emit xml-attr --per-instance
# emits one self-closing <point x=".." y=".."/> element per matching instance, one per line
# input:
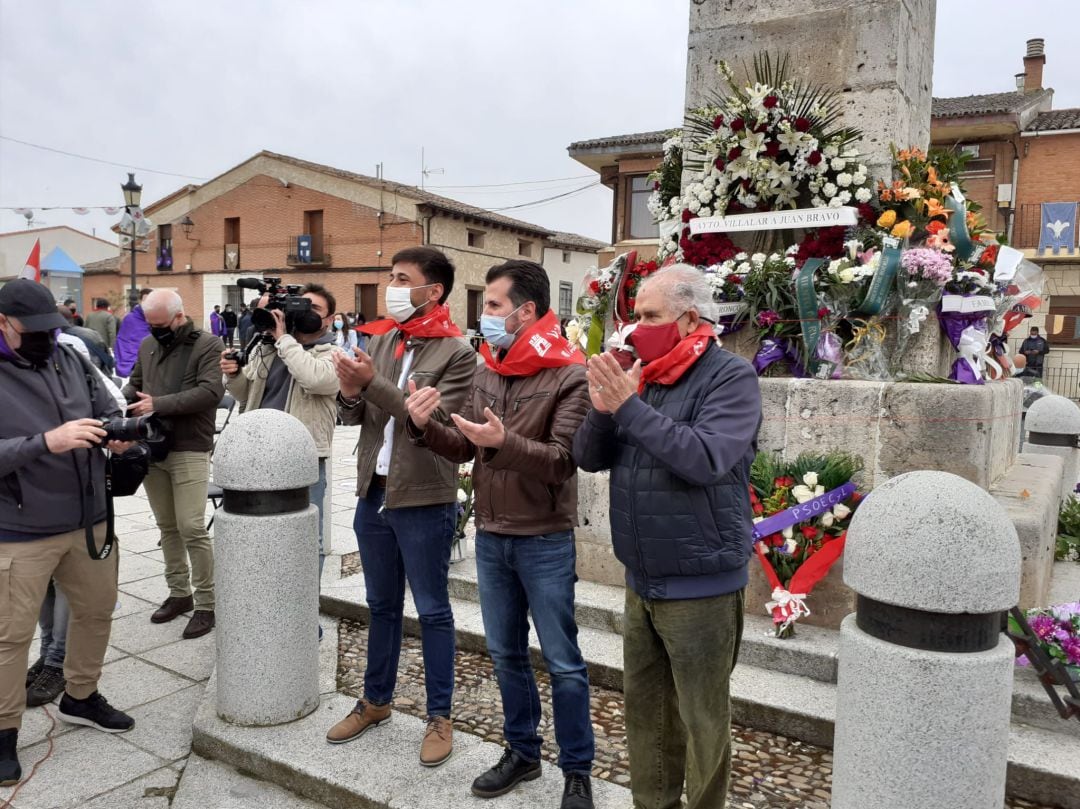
<point x="32" y="304"/>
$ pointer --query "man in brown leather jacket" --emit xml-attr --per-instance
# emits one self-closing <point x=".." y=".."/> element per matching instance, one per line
<point x="519" y="425"/>
<point x="407" y="513"/>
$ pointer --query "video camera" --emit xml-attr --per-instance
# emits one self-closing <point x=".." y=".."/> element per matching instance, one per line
<point x="299" y="316"/>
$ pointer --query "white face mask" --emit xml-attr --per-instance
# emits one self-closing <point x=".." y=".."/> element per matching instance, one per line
<point x="399" y="302"/>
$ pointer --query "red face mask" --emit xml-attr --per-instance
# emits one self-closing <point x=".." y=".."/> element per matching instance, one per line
<point x="653" y="342"/>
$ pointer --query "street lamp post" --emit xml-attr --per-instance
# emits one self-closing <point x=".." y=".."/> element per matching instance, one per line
<point x="132" y="197"/>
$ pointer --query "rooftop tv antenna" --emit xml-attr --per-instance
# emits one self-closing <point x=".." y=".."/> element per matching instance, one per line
<point x="425" y="172"/>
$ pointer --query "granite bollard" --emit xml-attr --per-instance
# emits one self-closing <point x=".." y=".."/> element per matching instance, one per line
<point x="267" y="571"/>
<point x="1053" y="428"/>
<point x="925" y="675"/>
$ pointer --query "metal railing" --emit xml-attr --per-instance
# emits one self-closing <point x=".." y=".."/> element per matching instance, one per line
<point x="318" y="256"/>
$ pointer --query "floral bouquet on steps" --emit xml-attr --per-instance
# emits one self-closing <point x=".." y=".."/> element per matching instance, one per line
<point x="801" y="513"/>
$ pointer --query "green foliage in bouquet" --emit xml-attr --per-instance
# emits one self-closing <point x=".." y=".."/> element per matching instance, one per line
<point x="833" y="469"/>
<point x="1068" y="531"/>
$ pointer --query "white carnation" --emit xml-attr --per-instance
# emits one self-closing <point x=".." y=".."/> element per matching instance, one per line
<point x="740" y="256"/>
<point x="829" y="190"/>
<point x="709" y="182"/>
<point x="838" y="164"/>
<point x="705" y="211"/>
<point x="758" y="258"/>
<point x="744" y="268"/>
<point x="843" y="179"/>
<point x="836" y="202"/>
<point x="830" y="152"/>
<point x="694" y="206"/>
<point x="863" y="195"/>
<point x="705" y="195"/>
<point x="817" y="202"/>
<point x="844" y="197"/>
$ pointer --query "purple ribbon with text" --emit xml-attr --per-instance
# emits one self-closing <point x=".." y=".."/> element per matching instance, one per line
<point x="802" y="512"/>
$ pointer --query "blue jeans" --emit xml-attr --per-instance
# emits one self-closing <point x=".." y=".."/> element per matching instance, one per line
<point x="316" y="496"/>
<point x="413" y="543"/>
<point x="53" y="620"/>
<point x="519" y="575"/>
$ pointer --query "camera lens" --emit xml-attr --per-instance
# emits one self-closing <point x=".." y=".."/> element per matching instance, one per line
<point x="262" y="320"/>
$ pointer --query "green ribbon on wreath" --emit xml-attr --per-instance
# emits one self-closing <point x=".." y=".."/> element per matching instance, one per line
<point x="882" y="282"/>
<point x="806" y="299"/>
<point x="958" y="230"/>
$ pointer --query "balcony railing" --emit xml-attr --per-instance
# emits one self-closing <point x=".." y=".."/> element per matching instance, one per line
<point x="1029" y="227"/>
<point x="306" y="251"/>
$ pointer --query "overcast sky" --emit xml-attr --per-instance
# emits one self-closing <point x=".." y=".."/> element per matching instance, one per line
<point x="493" y="90"/>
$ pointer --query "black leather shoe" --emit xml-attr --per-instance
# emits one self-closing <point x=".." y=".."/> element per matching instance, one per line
<point x="172" y="607"/>
<point x="10" y="770"/>
<point x="34" y="671"/>
<point x="201" y="623"/>
<point x="577" y="793"/>
<point x="511" y="770"/>
<point x="94" y="712"/>
<point x="47" y="687"/>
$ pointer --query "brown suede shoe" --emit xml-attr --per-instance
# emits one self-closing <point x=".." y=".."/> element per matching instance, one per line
<point x="361" y="718"/>
<point x="438" y="741"/>
<point x="172" y="607"/>
<point x="201" y="623"/>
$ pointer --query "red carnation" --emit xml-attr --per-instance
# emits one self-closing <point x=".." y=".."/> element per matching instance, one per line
<point x="762" y="128"/>
<point x="684" y="243"/>
<point x="656" y="185"/>
<point x="809" y="532"/>
<point x="770" y="102"/>
<point x="734" y="153"/>
<point x="772" y="149"/>
<point x="738" y="125"/>
<point x="630" y="302"/>
<point x="686" y="233"/>
<point x="814" y="158"/>
<point x="594" y="287"/>
<point x="802" y="125"/>
<point x="776" y="540"/>
<point x="823" y="312"/>
<point x="867" y="213"/>
<point x="718" y="122"/>
<point x="758" y="509"/>
<point x="719" y="164"/>
<point x="735" y="279"/>
<point x="686" y="215"/>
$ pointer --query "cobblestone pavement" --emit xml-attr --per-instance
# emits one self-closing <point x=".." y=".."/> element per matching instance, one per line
<point x="768" y="771"/>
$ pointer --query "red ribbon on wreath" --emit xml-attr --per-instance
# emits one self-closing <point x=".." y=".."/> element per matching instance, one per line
<point x="789" y="603"/>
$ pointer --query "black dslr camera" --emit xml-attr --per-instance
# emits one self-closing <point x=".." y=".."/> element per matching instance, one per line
<point x="137" y="428"/>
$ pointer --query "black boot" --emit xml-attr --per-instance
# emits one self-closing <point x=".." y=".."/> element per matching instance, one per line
<point x="10" y="771"/>
<point x="577" y="794"/>
<point x="511" y="770"/>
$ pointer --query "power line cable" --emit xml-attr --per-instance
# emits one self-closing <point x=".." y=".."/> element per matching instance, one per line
<point x="546" y="199"/>
<point x="99" y="160"/>
<point x="520" y="182"/>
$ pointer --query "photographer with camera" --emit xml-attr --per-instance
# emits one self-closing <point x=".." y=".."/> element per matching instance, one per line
<point x="291" y="370"/>
<point x="53" y="512"/>
<point x="176" y="377"/>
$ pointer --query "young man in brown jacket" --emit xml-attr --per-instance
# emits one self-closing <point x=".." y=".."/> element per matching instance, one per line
<point x="178" y="378"/>
<point x="519" y="425"/>
<point x="407" y="512"/>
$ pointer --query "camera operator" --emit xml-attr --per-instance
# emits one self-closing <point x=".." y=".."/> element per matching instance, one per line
<point x="52" y="496"/>
<point x="294" y="373"/>
<point x="176" y="376"/>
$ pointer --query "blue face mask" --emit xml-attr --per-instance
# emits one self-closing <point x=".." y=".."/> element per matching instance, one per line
<point x="493" y="327"/>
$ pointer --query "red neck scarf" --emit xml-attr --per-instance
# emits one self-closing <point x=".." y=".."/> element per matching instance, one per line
<point x="669" y="368"/>
<point x="436" y="323"/>
<point x="540" y="346"/>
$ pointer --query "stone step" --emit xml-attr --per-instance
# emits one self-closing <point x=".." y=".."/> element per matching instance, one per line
<point x="764" y="695"/>
<point x="380" y="770"/>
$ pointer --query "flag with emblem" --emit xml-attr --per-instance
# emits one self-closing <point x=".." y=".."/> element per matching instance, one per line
<point x="1058" y="227"/>
<point x="32" y="270"/>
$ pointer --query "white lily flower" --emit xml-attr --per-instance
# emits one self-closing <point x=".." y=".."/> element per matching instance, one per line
<point x="810" y="479"/>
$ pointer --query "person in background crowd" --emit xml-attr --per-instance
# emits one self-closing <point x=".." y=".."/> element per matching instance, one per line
<point x="407" y="512"/>
<point x="359" y="322"/>
<point x="52" y="526"/>
<point x="231" y="321"/>
<point x="296" y="375"/>
<point x="91" y="343"/>
<point x="345" y="336"/>
<point x="217" y="323"/>
<point x="518" y="425"/>
<point x="678" y="432"/>
<point x="177" y="377"/>
<point x="133" y="330"/>
<point x="245" y="323"/>
<point x="1034" y="348"/>
<point x="102" y="321"/>
<point x="70" y="304"/>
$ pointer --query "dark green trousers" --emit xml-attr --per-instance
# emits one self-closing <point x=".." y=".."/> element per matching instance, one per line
<point x="677" y="662"/>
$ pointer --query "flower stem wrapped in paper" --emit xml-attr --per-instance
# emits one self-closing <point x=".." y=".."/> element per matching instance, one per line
<point x="595" y="305"/>
<point x="801" y="513"/>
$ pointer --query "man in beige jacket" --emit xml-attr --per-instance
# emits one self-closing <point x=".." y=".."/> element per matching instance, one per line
<point x="294" y="373"/>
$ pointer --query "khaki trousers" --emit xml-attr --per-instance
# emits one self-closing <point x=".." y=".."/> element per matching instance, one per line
<point x="176" y="488"/>
<point x="90" y="587"/>
<point x="677" y="662"/>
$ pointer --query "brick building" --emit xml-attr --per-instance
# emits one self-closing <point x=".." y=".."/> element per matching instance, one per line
<point x="1022" y="153"/>
<point x="275" y="215"/>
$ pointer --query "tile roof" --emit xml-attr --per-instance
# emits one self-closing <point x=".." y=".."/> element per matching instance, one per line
<point x="426" y="197"/>
<point x="1056" y="119"/>
<point x="111" y="264"/>
<point x="575" y="241"/>
<point x="987" y="104"/>
<point x="656" y="138"/>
